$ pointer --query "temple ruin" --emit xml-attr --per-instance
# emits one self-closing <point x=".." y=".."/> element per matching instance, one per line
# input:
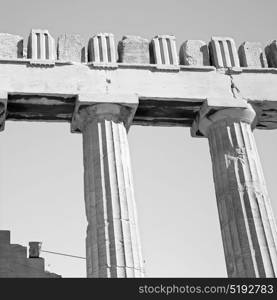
<point x="101" y="90"/>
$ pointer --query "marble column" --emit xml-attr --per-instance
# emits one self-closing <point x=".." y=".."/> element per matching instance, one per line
<point x="246" y="218"/>
<point x="112" y="244"/>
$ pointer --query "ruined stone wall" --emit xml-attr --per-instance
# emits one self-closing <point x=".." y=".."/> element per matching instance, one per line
<point x="14" y="261"/>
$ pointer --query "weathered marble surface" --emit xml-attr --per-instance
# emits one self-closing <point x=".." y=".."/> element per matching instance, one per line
<point x="194" y="53"/>
<point x="163" y="50"/>
<point x="223" y="52"/>
<point x="133" y="50"/>
<point x="248" y="228"/>
<point x="101" y="49"/>
<point x="71" y="47"/>
<point x="252" y="55"/>
<point x="271" y="54"/>
<point x="41" y="46"/>
<point x="112" y="243"/>
<point x="11" y="46"/>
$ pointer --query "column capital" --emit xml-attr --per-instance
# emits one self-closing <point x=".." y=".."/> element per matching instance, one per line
<point x="117" y="108"/>
<point x="215" y="110"/>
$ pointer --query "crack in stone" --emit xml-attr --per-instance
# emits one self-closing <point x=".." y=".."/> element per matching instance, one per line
<point x="234" y="89"/>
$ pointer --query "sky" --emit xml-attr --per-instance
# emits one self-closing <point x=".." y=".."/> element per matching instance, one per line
<point x="41" y="167"/>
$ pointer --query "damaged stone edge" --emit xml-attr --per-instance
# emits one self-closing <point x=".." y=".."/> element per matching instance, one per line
<point x="211" y="105"/>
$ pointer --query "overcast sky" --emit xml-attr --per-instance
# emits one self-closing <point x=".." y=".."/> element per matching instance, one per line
<point x="41" y="171"/>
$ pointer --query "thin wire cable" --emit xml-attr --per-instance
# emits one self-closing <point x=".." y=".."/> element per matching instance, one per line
<point x="38" y="269"/>
<point x="63" y="254"/>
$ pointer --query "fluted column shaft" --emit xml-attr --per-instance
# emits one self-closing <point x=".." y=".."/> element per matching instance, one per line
<point x="112" y="243"/>
<point x="247" y="223"/>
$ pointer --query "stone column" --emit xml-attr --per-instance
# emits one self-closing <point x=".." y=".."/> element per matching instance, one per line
<point x="247" y="223"/>
<point x="112" y="243"/>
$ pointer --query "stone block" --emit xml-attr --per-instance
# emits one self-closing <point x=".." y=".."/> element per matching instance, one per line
<point x="271" y="54"/>
<point x="223" y="52"/>
<point x="133" y="50"/>
<point x="163" y="50"/>
<point x="11" y="46"/>
<point x="41" y="46"/>
<point x="251" y="54"/>
<point x="5" y="237"/>
<point x="101" y="49"/>
<point x="71" y="47"/>
<point x="194" y="53"/>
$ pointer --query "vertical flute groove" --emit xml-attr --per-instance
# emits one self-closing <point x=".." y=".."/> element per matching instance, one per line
<point x="247" y="223"/>
<point x="113" y="247"/>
